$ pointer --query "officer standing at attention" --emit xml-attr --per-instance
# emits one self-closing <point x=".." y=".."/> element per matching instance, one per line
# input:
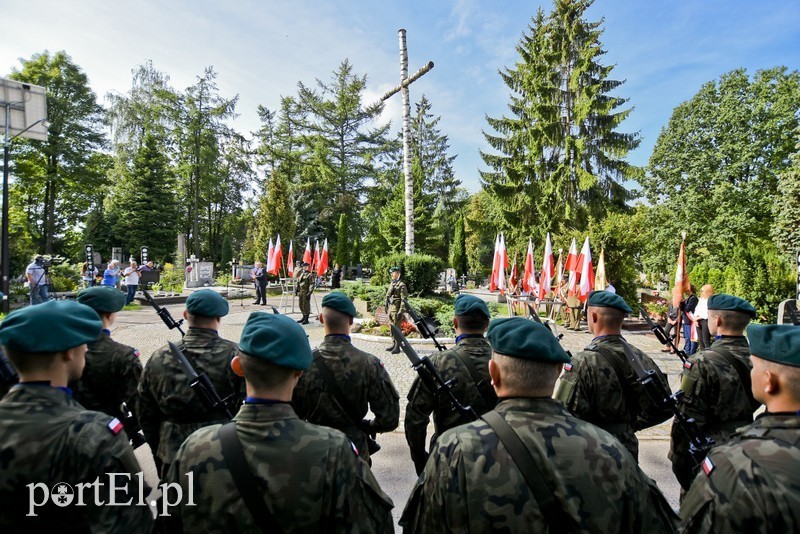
<point x="716" y="384"/>
<point x="752" y="482"/>
<point x="305" y="286"/>
<point x="396" y="297"/>
<point x="468" y="364"/>
<point x="300" y="476"/>
<point x="601" y="387"/>
<point x="168" y="408"/>
<point x="112" y="370"/>
<point x="575" y="311"/>
<point x="47" y="438"/>
<point x="260" y="280"/>
<point x="530" y="465"/>
<point x="344" y="383"/>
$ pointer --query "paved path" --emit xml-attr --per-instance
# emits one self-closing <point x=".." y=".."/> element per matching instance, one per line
<point x="144" y="330"/>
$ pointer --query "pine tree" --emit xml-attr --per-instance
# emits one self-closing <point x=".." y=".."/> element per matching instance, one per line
<point x="342" y="243"/>
<point x="458" y="257"/>
<point x="558" y="157"/>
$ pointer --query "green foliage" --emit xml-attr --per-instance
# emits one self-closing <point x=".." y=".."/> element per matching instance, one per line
<point x="342" y="245"/>
<point x="482" y="220"/>
<point x="419" y="271"/>
<point x="558" y="158"/>
<point x="223" y="279"/>
<point x="373" y="295"/>
<point x="786" y="209"/>
<point x="65" y="277"/>
<point x="172" y="278"/>
<point x="356" y="258"/>
<point x="458" y="250"/>
<point x="226" y="254"/>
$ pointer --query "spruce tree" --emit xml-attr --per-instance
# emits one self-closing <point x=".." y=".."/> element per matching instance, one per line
<point x="342" y="242"/>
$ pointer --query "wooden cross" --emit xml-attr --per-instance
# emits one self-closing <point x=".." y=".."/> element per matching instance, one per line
<point x="405" y="81"/>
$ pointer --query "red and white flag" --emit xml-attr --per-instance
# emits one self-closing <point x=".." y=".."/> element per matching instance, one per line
<point x="513" y="279"/>
<point x="290" y="260"/>
<point x="277" y="257"/>
<point x="682" y="284"/>
<point x="307" y="253"/>
<point x="495" y="265"/>
<point x="270" y="259"/>
<point x="501" y="274"/>
<point x="547" y="269"/>
<point x="587" y="272"/>
<point x="315" y="262"/>
<point x="572" y="266"/>
<point x="529" y="275"/>
<point x="323" y="259"/>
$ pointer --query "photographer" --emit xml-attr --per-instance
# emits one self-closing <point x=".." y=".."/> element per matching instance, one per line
<point x="36" y="274"/>
<point x="131" y="281"/>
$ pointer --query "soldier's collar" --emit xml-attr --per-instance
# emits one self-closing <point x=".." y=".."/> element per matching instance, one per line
<point x="468" y="336"/>
<point x="106" y="331"/>
<point x="607" y="336"/>
<point x="339" y="336"/>
<point x="44" y="383"/>
<point x="259" y="400"/>
<point x="718" y="336"/>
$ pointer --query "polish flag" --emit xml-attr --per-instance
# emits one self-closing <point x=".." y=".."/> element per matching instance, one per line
<point x="307" y="253"/>
<point x="681" y="278"/>
<point x="495" y="265"/>
<point x="529" y="275"/>
<point x="290" y="260"/>
<point x="514" y="278"/>
<point x="547" y="269"/>
<point x="323" y="259"/>
<point x="270" y="256"/>
<point x="572" y="267"/>
<point x="587" y="273"/>
<point x="315" y="263"/>
<point x="277" y="257"/>
<point x="501" y="273"/>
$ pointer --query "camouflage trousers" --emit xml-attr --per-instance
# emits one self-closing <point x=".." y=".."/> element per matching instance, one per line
<point x="305" y="303"/>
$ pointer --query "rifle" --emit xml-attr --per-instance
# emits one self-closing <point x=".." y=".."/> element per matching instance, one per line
<point x="8" y="375"/>
<point x="164" y="314"/>
<point x="431" y="377"/>
<point x="661" y="335"/>
<point x="536" y="318"/>
<point x="136" y="438"/>
<point x="699" y="443"/>
<point x="201" y="384"/>
<point x="424" y="326"/>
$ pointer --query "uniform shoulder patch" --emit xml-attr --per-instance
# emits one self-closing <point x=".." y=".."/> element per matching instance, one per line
<point x="687" y="364"/>
<point x="708" y="466"/>
<point x="355" y="449"/>
<point x="568" y="367"/>
<point x="115" y="426"/>
<point x="136" y="353"/>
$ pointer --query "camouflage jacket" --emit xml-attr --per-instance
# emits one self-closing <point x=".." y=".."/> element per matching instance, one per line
<point x="750" y="484"/>
<point x="309" y="474"/>
<point x="110" y="378"/>
<point x="168" y="408"/>
<point x="305" y="282"/>
<point x="47" y="437"/>
<point x="591" y="390"/>
<point x="396" y="295"/>
<point x="713" y="394"/>
<point x="471" y="483"/>
<point x="364" y="383"/>
<point x="422" y="401"/>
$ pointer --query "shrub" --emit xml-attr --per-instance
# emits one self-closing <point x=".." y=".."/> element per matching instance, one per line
<point x="172" y="278"/>
<point x="419" y="271"/>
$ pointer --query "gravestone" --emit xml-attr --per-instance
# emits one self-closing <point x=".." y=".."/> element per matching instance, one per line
<point x="206" y="273"/>
<point x="381" y="315"/>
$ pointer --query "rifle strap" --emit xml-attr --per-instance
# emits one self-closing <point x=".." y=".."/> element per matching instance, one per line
<point x="486" y="394"/>
<point x="742" y="371"/>
<point x="245" y="481"/>
<point x="335" y="390"/>
<point x="554" y="514"/>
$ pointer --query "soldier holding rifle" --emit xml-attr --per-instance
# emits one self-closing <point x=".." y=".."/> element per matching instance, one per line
<point x="396" y="297"/>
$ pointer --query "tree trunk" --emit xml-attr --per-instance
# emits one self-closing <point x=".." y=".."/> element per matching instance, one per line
<point x="409" y="190"/>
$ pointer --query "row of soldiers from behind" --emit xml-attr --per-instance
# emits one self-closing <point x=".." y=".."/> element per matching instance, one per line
<point x="513" y="342"/>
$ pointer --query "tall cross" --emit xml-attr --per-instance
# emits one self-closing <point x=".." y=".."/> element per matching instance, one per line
<point x="405" y="81"/>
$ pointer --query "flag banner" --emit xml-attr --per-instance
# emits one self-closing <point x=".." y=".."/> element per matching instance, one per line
<point x="323" y="259"/>
<point x="307" y="253"/>
<point x="513" y="279"/>
<point x="681" y="278"/>
<point x="587" y="273"/>
<point x="277" y="257"/>
<point x="495" y="265"/>
<point x="315" y="261"/>
<point x="571" y="266"/>
<point x="270" y="256"/>
<point x="547" y="269"/>
<point x="529" y="275"/>
<point x="290" y="260"/>
<point x="501" y="278"/>
<point x="559" y="270"/>
<point x="600" y="281"/>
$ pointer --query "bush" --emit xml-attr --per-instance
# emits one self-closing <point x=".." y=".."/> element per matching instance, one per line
<point x="223" y="279"/>
<point x="419" y="271"/>
<point x="172" y="278"/>
<point x="65" y="277"/>
<point x="372" y="295"/>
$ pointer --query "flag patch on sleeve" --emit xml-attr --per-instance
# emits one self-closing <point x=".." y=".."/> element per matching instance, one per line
<point x="353" y="446"/>
<point x="568" y="367"/>
<point x="687" y="364"/>
<point x="707" y="466"/>
<point x="136" y="353"/>
<point x="115" y="426"/>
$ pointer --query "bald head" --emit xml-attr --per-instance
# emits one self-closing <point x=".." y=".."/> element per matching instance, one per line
<point x="335" y="322"/>
<point x="518" y="377"/>
<point x="604" y="320"/>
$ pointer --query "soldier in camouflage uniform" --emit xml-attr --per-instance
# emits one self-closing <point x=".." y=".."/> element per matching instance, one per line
<point x="47" y="438"/>
<point x="470" y="356"/>
<point x="305" y="286"/>
<point x="752" y="483"/>
<point x="309" y="476"/>
<point x="362" y="381"/>
<point x="396" y="297"/>
<point x="112" y="370"/>
<point x="716" y="384"/>
<point x="600" y="386"/>
<point x="471" y="483"/>
<point x="574" y="304"/>
<point x="168" y="408"/>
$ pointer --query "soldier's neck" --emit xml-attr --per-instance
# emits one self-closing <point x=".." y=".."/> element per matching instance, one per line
<point x="279" y="393"/>
<point x="783" y="405"/>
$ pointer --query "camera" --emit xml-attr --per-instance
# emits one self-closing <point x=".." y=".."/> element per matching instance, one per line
<point x="46" y="263"/>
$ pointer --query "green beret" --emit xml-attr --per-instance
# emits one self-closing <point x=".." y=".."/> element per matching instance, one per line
<point x="277" y="339"/>
<point x="779" y="343"/>
<point x="730" y="303"/>
<point x="102" y="299"/>
<point x="339" y="302"/>
<point x="394" y="269"/>
<point x="305" y="264"/>
<point x="54" y="326"/>
<point x="467" y="304"/>
<point x="606" y="299"/>
<point x="520" y="338"/>
<point x="207" y="303"/>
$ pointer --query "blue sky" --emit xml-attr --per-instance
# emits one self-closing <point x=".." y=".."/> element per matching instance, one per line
<point x="261" y="49"/>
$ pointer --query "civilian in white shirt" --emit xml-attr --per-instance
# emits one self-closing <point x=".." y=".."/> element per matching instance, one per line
<point x="131" y="281"/>
<point x="701" y="317"/>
